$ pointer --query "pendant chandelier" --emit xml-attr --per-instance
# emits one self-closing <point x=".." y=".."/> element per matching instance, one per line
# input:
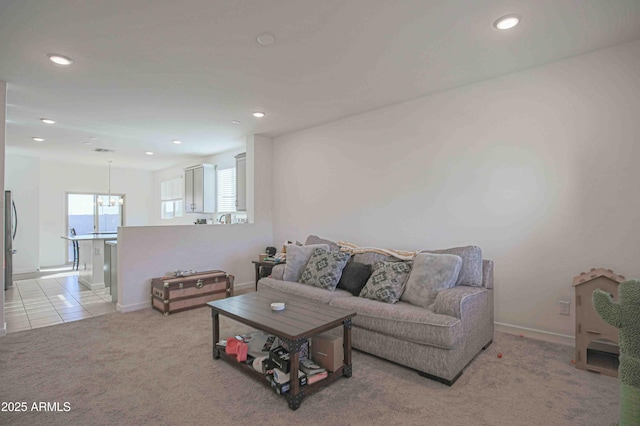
<point x="112" y="201"/>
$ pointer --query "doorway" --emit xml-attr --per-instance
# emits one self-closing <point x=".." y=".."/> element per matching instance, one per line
<point x="93" y="214"/>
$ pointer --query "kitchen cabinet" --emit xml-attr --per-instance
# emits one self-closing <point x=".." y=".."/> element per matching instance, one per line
<point x="241" y="182"/>
<point x="200" y="189"/>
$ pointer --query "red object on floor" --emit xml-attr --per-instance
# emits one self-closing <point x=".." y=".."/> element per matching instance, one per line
<point x="499" y="354"/>
<point x="232" y="345"/>
<point x="241" y="351"/>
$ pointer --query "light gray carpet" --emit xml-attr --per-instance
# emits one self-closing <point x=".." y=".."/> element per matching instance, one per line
<point x="144" y="368"/>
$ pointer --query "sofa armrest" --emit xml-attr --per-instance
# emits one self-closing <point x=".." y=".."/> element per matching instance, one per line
<point x="449" y="301"/>
<point x="487" y="273"/>
<point x="277" y="272"/>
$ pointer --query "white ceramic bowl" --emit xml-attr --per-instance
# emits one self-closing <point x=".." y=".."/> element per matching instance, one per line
<point x="277" y="306"/>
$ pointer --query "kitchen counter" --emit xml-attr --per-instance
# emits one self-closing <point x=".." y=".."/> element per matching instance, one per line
<point x="89" y="237"/>
<point x="92" y="249"/>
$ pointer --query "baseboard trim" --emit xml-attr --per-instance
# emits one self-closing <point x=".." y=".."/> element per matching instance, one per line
<point x="243" y="286"/>
<point x="91" y="286"/>
<point x="547" y="336"/>
<point x="25" y="271"/>
<point x="133" y="307"/>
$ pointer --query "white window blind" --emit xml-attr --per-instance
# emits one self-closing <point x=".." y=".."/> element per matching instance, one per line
<point x="171" y="190"/>
<point x="171" y="198"/>
<point x="226" y="189"/>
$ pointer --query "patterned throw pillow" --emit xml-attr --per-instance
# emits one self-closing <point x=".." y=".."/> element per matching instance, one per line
<point x="387" y="281"/>
<point x="297" y="259"/>
<point x="324" y="268"/>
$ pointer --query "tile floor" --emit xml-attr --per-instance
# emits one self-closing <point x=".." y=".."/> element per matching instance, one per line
<point x="41" y="302"/>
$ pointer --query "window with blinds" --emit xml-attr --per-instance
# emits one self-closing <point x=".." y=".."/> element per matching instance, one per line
<point x="226" y="189"/>
<point x="171" y="198"/>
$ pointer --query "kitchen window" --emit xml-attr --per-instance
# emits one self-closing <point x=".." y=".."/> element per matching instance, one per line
<point x="171" y="198"/>
<point x="226" y="190"/>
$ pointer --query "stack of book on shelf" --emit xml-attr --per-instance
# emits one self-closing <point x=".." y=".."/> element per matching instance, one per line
<point x="313" y="371"/>
<point x="280" y="381"/>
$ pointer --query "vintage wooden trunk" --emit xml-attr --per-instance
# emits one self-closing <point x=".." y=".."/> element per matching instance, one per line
<point x="175" y="294"/>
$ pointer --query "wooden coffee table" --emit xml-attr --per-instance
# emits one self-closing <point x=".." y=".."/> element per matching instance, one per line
<point x="300" y="320"/>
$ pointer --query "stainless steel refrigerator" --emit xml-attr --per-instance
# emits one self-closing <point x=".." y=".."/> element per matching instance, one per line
<point x="10" y="229"/>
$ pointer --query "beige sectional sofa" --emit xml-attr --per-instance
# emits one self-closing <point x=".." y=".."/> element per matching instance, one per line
<point x="438" y="341"/>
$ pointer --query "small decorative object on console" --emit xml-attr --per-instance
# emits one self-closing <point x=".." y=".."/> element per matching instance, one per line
<point x="270" y="251"/>
<point x="182" y="273"/>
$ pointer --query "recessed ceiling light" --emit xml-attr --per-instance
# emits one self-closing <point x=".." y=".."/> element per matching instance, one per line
<point x="47" y="121"/>
<point x="235" y="122"/>
<point x="149" y="153"/>
<point x="38" y="139"/>
<point x="266" y="39"/>
<point x="258" y="114"/>
<point x="59" y="59"/>
<point x="177" y="142"/>
<point x="506" y="22"/>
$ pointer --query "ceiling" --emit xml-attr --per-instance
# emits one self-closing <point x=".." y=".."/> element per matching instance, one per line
<point x="146" y="72"/>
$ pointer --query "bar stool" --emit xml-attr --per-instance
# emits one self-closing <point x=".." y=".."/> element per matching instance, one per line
<point x="76" y="251"/>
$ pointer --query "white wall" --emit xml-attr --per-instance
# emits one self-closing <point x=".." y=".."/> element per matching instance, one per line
<point x="538" y="168"/>
<point x="152" y="251"/>
<point x="3" y="121"/>
<point x="222" y="160"/>
<point x="58" y="178"/>
<point x="22" y="178"/>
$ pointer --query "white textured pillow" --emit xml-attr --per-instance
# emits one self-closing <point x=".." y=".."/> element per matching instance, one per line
<point x="297" y="259"/>
<point x="430" y="274"/>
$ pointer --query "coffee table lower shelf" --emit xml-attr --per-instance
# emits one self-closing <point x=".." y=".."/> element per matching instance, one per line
<point x="306" y="390"/>
<point x="295" y="325"/>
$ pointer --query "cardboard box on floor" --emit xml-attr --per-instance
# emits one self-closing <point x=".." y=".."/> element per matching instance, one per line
<point x="327" y="351"/>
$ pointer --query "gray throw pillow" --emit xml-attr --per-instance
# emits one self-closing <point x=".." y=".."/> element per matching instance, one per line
<point x="324" y="269"/>
<point x="471" y="269"/>
<point x="430" y="273"/>
<point x="314" y="239"/>
<point x="387" y="281"/>
<point x="354" y="277"/>
<point x="297" y="259"/>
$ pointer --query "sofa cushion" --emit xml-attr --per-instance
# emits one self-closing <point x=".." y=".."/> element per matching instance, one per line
<point x="386" y="281"/>
<point x="305" y="291"/>
<point x="314" y="239"/>
<point x="370" y="258"/>
<point x="471" y="269"/>
<point x="354" y="277"/>
<point x="430" y="273"/>
<point x="324" y="268"/>
<point x="297" y="259"/>
<point x="403" y="321"/>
